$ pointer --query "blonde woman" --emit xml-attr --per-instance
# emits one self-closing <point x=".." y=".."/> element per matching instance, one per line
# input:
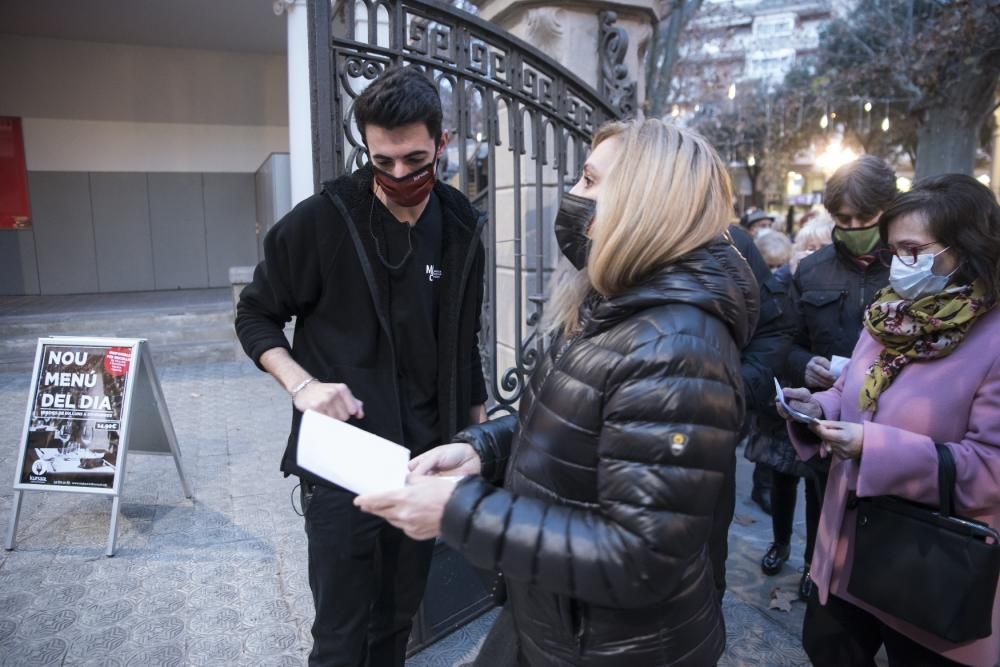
<point x="616" y="461"/>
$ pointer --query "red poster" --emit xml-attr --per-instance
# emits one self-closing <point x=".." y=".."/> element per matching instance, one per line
<point x="15" y="210"/>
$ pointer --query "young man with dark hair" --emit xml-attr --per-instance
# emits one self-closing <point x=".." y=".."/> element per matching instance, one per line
<point x="383" y="271"/>
<point x="833" y="286"/>
<point x="831" y="290"/>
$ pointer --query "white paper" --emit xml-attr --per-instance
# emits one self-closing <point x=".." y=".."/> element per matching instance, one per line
<point x="350" y="457"/>
<point x="792" y="412"/>
<point x="837" y="365"/>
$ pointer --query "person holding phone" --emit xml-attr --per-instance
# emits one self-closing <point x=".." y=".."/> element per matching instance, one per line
<point x="831" y="289"/>
<point x="926" y="370"/>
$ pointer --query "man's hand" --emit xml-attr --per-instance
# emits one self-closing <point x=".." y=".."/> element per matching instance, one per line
<point x="818" y="375"/>
<point x="843" y="439"/>
<point x="799" y="399"/>
<point x="458" y="458"/>
<point x="416" y="509"/>
<point x="331" y="399"/>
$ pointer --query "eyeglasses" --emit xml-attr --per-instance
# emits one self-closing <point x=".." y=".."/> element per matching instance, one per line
<point x="907" y="255"/>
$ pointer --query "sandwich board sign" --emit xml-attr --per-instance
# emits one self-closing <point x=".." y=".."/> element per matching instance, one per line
<point x="92" y="402"/>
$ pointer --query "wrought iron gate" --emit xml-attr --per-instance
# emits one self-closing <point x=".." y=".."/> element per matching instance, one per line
<point x="520" y="127"/>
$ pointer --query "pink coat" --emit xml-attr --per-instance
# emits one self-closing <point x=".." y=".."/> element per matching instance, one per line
<point x="954" y="400"/>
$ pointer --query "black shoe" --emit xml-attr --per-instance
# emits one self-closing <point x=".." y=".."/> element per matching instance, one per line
<point x="762" y="497"/>
<point x="805" y="584"/>
<point x="775" y="557"/>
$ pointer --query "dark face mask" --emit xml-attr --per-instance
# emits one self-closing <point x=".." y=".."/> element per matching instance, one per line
<point x="571" y="225"/>
<point x="407" y="190"/>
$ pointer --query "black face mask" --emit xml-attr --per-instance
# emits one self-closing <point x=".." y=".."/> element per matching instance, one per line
<point x="572" y="221"/>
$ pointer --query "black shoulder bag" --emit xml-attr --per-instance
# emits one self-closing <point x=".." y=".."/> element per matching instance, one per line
<point x="926" y="566"/>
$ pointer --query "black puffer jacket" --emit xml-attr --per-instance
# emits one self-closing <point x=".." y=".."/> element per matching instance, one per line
<point x="617" y="459"/>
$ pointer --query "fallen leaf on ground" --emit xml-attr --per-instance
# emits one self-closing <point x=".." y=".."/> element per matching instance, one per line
<point x="781" y="600"/>
<point x="744" y="519"/>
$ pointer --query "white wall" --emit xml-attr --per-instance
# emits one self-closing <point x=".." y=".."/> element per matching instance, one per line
<point x="53" y="144"/>
<point x="91" y="106"/>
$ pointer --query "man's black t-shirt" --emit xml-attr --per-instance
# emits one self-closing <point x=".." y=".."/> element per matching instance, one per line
<point x="413" y="310"/>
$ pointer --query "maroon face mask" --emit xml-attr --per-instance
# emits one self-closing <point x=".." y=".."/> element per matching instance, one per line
<point x="407" y="190"/>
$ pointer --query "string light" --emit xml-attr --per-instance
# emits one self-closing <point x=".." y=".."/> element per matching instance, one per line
<point x="732" y="91"/>
<point x="885" y="124"/>
<point x="824" y="122"/>
<point x="868" y="107"/>
<point x="751" y="161"/>
<point x="675" y="111"/>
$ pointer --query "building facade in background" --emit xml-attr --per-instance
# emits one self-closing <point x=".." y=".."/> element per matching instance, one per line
<point x="736" y="52"/>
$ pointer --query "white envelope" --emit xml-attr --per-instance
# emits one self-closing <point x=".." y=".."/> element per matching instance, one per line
<point x="838" y="364"/>
<point x="350" y="457"/>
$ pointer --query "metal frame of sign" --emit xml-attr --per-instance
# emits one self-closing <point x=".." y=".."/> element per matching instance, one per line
<point x="148" y="432"/>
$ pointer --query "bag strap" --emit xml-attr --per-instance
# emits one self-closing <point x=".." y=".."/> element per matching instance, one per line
<point x="946" y="479"/>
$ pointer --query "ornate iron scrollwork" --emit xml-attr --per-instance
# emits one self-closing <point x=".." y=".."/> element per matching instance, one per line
<point x="614" y="76"/>
<point x="521" y="124"/>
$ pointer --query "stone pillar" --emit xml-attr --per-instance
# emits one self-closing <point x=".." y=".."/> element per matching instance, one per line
<point x="582" y="37"/>
<point x="570" y="32"/>
<point x="299" y="114"/>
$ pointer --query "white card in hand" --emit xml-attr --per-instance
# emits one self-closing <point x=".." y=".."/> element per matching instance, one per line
<point x="350" y="457"/>
<point x="838" y="364"/>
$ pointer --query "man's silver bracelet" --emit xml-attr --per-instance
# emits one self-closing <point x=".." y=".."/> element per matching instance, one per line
<point x="300" y="386"/>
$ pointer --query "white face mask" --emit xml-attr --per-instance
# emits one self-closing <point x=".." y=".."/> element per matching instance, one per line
<point x="918" y="280"/>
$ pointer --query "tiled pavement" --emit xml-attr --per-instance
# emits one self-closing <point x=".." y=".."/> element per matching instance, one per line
<point x="220" y="580"/>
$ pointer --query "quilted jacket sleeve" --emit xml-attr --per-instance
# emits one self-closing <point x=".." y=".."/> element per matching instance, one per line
<point x="671" y="416"/>
<point x="492" y="441"/>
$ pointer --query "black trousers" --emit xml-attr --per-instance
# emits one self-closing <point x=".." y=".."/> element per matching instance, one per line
<point x="784" y="492"/>
<point x="839" y="634"/>
<point x="367" y="580"/>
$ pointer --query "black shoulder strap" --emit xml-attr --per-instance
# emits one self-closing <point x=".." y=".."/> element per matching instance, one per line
<point x="946" y="479"/>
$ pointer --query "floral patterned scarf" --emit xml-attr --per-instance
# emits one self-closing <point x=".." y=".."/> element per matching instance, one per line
<point x="926" y="328"/>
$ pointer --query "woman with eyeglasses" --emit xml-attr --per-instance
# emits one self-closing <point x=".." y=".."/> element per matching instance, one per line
<point x="926" y="370"/>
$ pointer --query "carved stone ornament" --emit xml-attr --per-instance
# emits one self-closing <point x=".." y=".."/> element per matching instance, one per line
<point x="544" y="25"/>
<point x="615" y="85"/>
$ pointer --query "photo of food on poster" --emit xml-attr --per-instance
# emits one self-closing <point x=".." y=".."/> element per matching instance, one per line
<point x="76" y="416"/>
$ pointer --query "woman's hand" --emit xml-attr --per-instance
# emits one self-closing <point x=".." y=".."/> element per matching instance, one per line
<point x="799" y="399"/>
<point x="458" y="458"/>
<point x="843" y="439"/>
<point x="416" y="509"/>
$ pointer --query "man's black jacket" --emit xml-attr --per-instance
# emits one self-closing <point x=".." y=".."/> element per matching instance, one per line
<point x="320" y="266"/>
<point x="765" y="354"/>
<point x="828" y="298"/>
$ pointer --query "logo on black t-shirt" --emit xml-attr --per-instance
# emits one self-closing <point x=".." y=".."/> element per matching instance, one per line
<point x="432" y="273"/>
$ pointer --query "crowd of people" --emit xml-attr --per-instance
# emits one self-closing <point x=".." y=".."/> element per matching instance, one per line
<point x="600" y="510"/>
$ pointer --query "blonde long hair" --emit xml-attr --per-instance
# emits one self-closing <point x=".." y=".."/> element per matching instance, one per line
<point x="665" y="194"/>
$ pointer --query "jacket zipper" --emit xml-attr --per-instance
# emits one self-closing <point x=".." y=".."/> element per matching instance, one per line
<point x="366" y="269"/>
